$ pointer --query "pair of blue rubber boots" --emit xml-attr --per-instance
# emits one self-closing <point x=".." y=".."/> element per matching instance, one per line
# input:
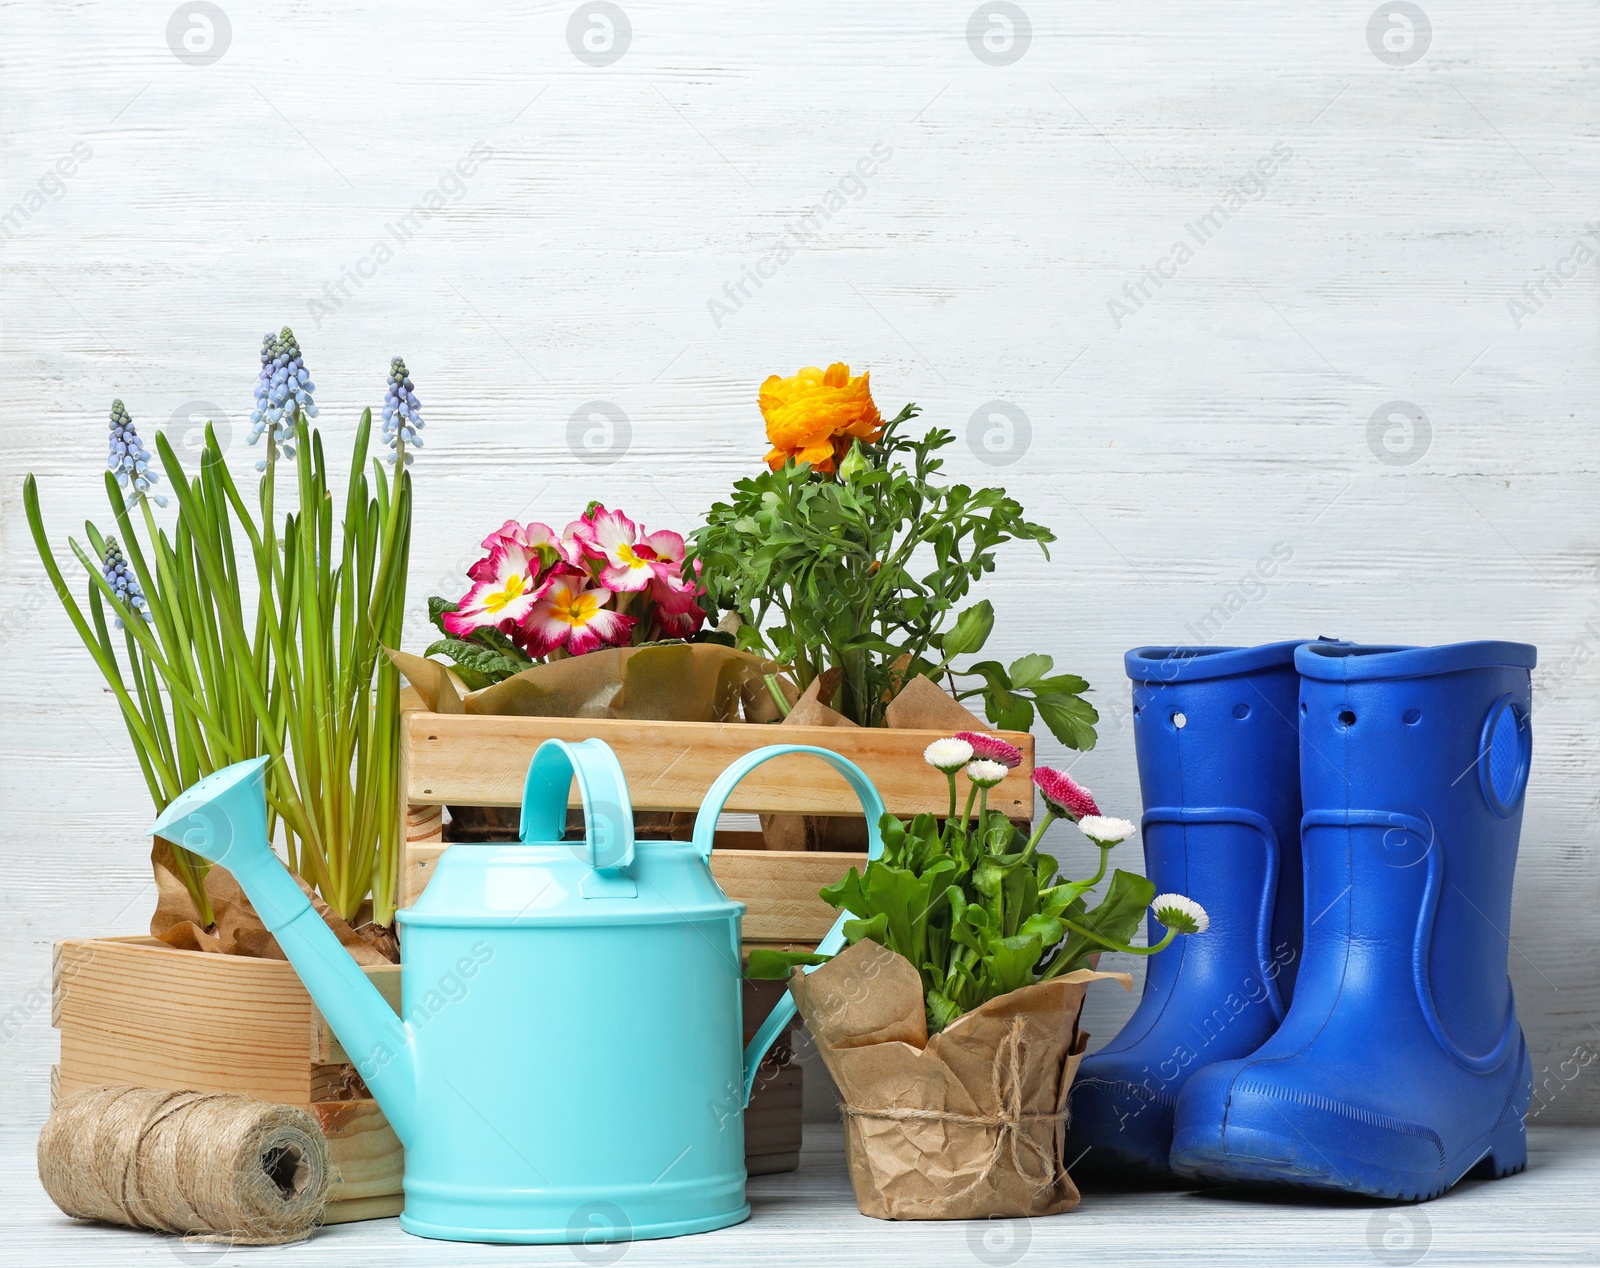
<point x="1348" y="816"/>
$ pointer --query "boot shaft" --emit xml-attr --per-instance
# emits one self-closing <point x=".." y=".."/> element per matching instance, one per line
<point x="1413" y="766"/>
<point x="1216" y="739"/>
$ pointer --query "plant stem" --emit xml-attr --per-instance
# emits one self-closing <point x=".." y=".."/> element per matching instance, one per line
<point x="1038" y="833"/>
<point x="1118" y="946"/>
<point x="782" y="701"/>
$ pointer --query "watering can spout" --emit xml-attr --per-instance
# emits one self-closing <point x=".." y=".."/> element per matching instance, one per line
<point x="223" y="818"/>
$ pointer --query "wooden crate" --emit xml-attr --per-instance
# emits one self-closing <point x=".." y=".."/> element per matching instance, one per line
<point x="134" y="1010"/>
<point x="467" y="759"/>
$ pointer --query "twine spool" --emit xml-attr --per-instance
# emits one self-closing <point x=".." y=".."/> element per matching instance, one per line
<point x="212" y="1165"/>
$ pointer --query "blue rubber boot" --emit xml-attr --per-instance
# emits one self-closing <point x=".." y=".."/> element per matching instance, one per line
<point x="1400" y="1067"/>
<point x="1217" y="739"/>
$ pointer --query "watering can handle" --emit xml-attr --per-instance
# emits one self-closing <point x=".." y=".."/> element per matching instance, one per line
<point x="705" y="829"/>
<point x="602" y="788"/>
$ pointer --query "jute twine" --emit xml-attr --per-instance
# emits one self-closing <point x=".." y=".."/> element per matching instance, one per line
<point x="215" y="1166"/>
<point x="1009" y="1137"/>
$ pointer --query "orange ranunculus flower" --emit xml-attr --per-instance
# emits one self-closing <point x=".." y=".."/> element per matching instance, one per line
<point x="815" y="415"/>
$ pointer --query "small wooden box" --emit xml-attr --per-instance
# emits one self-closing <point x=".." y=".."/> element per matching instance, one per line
<point x="473" y="760"/>
<point x="134" y="1010"/>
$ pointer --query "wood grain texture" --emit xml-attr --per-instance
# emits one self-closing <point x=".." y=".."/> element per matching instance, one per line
<point x="483" y="761"/>
<point x="1229" y="415"/>
<point x="142" y="1013"/>
<point x="368" y="1161"/>
<point x="134" y="1010"/>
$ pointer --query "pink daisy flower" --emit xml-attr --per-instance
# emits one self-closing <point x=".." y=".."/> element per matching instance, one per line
<point x="1063" y="794"/>
<point x="991" y="748"/>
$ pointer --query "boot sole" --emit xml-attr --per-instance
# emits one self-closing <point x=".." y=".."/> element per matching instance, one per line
<point x="1306" y="1169"/>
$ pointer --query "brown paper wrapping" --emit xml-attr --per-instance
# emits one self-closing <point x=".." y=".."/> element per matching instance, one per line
<point x="238" y="930"/>
<point x="669" y="682"/>
<point x="966" y="1125"/>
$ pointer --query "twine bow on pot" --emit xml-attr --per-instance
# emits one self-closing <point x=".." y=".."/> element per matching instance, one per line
<point x="1007" y="1124"/>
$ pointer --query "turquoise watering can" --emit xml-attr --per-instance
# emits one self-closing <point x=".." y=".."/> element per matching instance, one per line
<point x="568" y="1066"/>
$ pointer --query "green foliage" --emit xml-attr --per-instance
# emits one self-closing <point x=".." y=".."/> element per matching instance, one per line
<point x="300" y="679"/>
<point x="980" y="913"/>
<point x="483" y="658"/>
<point x="867" y="573"/>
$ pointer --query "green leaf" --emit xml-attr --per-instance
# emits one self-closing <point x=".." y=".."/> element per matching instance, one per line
<point x="1070" y="718"/>
<point x="1010" y="961"/>
<point x="773" y="966"/>
<point x="942" y="1010"/>
<point x="487" y="663"/>
<point x="993" y="673"/>
<point x="438" y="605"/>
<point x="1061" y="682"/>
<point x="1116" y="919"/>
<point x="874" y="930"/>
<point x="970" y="632"/>
<point x="1028" y="670"/>
<point x="1008" y="711"/>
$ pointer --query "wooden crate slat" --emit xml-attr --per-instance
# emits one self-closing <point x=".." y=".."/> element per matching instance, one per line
<point x="468" y="759"/>
<point x="136" y="1011"/>
<point x="779" y="889"/>
<point x="367" y="1159"/>
<point x="382" y="1208"/>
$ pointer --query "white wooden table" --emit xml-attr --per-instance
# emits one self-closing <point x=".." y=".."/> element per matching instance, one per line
<point x="1548" y="1214"/>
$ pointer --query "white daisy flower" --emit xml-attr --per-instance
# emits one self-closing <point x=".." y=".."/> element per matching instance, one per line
<point x="986" y="774"/>
<point x="1104" y="830"/>
<point x="1181" y="914"/>
<point x="948" y="756"/>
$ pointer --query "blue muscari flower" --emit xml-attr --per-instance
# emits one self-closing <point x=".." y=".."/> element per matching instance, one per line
<point x="283" y="386"/>
<point x="402" y="414"/>
<point x="114" y="568"/>
<point x="127" y="457"/>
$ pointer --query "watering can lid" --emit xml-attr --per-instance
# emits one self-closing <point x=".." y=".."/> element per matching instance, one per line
<point x="553" y="883"/>
<point x="606" y="878"/>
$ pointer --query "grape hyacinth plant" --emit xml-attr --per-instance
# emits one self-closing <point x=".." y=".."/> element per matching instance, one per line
<point x="124" y="583"/>
<point x="283" y="389"/>
<point x="976" y="907"/>
<point x="402" y="415"/>
<point x="128" y="459"/>
<point x="204" y="679"/>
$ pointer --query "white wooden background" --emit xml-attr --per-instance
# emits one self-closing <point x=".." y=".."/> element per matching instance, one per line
<point x="1171" y="445"/>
